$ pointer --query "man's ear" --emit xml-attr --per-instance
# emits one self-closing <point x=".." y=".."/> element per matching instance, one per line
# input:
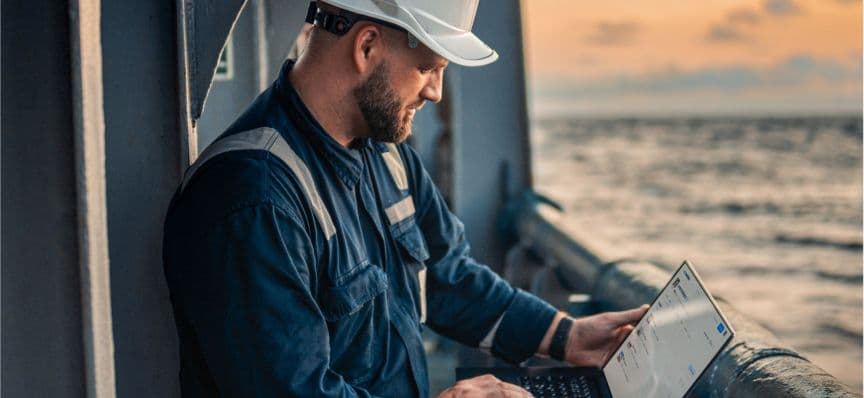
<point x="368" y="48"/>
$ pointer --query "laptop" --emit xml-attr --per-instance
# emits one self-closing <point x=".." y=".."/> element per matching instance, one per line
<point x="665" y="354"/>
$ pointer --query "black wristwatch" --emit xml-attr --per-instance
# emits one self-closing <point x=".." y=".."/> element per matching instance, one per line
<point x="559" y="339"/>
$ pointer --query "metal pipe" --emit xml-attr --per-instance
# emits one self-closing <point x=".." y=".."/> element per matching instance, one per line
<point x="754" y="364"/>
<point x="89" y="122"/>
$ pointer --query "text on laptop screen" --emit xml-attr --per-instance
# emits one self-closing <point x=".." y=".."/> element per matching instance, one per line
<point x="671" y="345"/>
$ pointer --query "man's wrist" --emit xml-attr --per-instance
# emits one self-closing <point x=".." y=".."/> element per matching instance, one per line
<point x="558" y="345"/>
<point x="525" y="329"/>
<point x="543" y="349"/>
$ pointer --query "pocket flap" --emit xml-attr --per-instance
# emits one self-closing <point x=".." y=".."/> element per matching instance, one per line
<point x="353" y="291"/>
<point x="408" y="234"/>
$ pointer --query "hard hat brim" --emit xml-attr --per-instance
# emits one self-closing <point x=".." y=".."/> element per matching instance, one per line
<point x="463" y="49"/>
<point x="459" y="47"/>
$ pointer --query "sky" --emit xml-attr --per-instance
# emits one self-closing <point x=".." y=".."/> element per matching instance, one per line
<point x="708" y="57"/>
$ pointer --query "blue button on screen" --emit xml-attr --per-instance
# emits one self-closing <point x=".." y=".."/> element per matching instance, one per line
<point x="721" y="327"/>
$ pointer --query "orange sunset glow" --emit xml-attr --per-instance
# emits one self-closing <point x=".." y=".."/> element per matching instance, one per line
<point x="668" y="57"/>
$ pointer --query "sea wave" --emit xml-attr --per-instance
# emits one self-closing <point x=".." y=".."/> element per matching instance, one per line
<point x="732" y="208"/>
<point x="833" y="242"/>
<point x="853" y="278"/>
<point x="770" y="201"/>
<point x="845" y="331"/>
<point x="826" y="210"/>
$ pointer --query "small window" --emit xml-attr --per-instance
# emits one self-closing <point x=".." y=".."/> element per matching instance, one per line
<point x="225" y="67"/>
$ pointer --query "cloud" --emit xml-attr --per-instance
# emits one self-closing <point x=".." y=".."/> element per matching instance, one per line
<point x="805" y="66"/>
<point x="781" y="7"/>
<point x="743" y="17"/>
<point x="737" y="21"/>
<point x="798" y="85"/>
<point x="794" y="72"/>
<point x="725" y="33"/>
<point x="613" y="34"/>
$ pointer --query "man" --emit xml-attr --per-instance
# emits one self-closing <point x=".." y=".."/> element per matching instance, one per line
<point x="306" y="246"/>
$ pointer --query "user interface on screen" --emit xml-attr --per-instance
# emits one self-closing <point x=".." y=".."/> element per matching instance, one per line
<point x="671" y="345"/>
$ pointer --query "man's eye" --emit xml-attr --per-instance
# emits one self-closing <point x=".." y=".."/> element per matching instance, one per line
<point x="425" y="69"/>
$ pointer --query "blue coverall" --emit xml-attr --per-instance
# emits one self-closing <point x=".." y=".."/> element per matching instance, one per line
<point x="269" y="301"/>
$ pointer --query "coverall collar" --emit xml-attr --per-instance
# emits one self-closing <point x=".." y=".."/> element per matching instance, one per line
<point x="347" y="162"/>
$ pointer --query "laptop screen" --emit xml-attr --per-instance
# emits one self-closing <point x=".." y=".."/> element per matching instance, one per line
<point x="672" y="344"/>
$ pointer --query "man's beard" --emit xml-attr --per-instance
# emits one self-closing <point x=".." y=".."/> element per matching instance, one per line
<point x="380" y="106"/>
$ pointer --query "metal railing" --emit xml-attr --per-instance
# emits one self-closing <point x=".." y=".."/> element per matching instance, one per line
<point x="753" y="364"/>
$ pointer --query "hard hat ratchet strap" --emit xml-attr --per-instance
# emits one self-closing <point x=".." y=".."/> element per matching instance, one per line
<point x="341" y="23"/>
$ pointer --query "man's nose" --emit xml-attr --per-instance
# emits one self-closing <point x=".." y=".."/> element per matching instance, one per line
<point x="433" y="89"/>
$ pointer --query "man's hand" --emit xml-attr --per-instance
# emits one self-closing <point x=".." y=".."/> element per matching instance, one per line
<point x="592" y="339"/>
<point x="486" y="386"/>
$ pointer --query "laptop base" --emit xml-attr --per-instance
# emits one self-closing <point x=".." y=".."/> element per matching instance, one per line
<point x="548" y="381"/>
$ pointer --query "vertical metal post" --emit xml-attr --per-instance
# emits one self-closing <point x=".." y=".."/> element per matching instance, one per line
<point x="89" y="124"/>
<point x="262" y="72"/>
<point x="485" y="118"/>
<point x="188" y="132"/>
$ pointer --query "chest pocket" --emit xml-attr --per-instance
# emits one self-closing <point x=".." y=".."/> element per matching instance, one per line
<point x="403" y="226"/>
<point x="349" y="308"/>
<point x="352" y="291"/>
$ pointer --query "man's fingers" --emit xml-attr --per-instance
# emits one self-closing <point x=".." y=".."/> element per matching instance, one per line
<point x="515" y="391"/>
<point x="488" y="377"/>
<point x="486" y="385"/>
<point x="620" y="334"/>
<point x="623" y="332"/>
<point x="627" y="317"/>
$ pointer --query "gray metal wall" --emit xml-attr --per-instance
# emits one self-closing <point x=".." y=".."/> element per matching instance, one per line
<point x="490" y="129"/>
<point x="41" y="285"/>
<point x="284" y="19"/>
<point x="227" y="98"/>
<point x="428" y="127"/>
<point x="282" y="22"/>
<point x="41" y="304"/>
<point x="142" y="157"/>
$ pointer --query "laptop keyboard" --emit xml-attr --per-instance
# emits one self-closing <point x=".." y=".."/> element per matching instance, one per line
<point x="557" y="386"/>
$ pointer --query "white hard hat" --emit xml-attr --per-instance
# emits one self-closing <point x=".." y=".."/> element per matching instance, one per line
<point x="442" y="25"/>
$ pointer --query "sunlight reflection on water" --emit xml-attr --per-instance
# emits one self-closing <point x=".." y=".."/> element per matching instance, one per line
<point x="769" y="210"/>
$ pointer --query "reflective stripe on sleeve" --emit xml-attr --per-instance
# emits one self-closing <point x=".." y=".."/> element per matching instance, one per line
<point x="486" y="343"/>
<point x="284" y="152"/>
<point x="268" y="139"/>
<point x="247" y="140"/>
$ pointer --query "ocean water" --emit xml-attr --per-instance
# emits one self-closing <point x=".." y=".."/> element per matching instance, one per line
<point x="768" y="209"/>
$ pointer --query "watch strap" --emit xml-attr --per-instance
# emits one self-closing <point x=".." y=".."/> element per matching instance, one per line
<point x="559" y="338"/>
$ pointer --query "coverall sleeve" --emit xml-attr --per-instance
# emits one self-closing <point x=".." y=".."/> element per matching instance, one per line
<point x="247" y="296"/>
<point x="466" y="299"/>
